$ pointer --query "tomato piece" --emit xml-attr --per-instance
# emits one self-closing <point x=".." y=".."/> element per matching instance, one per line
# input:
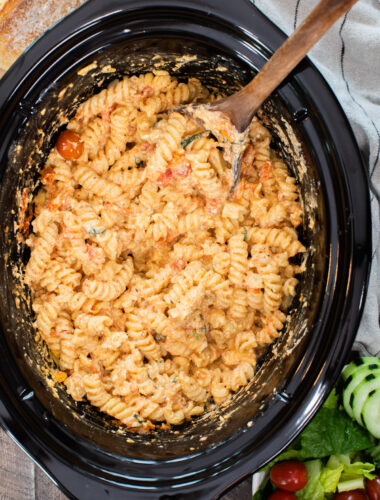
<point x="148" y="91"/>
<point x="212" y="206"/>
<point x="25" y="213"/>
<point x="147" y="147"/>
<point x="106" y="114"/>
<point x="182" y="170"/>
<point x="265" y="171"/>
<point x="179" y="264"/>
<point x="69" y="145"/>
<point x="290" y="475"/>
<point x="60" y="376"/>
<point x="47" y="176"/>
<point x="24" y="200"/>
<point x="282" y="495"/>
<point x="351" y="495"/>
<point x="166" y="177"/>
<point x="372" y="487"/>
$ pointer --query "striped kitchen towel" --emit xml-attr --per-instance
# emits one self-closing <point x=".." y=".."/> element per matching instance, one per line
<point x="348" y="56"/>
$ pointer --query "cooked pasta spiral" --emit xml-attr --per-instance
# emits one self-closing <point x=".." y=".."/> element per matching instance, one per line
<point x="154" y="288"/>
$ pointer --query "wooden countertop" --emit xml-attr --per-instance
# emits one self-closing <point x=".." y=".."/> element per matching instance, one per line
<point x="20" y="478"/>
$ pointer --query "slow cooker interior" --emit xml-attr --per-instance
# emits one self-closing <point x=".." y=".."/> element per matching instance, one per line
<point x="216" y="69"/>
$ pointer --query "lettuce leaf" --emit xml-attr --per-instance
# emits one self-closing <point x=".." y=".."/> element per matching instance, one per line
<point x="354" y="473"/>
<point x="364" y="469"/>
<point x="333" y="432"/>
<point x="332" y="401"/>
<point x="331" y="474"/>
<point x="289" y="454"/>
<point x="339" y="473"/>
<point x="375" y="454"/>
<point x="314" y="488"/>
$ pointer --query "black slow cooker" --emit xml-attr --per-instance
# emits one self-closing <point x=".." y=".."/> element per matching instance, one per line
<point x="82" y="450"/>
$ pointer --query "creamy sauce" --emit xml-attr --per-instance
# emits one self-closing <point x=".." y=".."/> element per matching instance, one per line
<point x="311" y="197"/>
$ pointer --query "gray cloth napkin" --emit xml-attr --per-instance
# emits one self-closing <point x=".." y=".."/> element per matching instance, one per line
<point x="348" y="56"/>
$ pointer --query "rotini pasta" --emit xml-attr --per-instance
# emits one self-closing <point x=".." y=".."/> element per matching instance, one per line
<point x="154" y="289"/>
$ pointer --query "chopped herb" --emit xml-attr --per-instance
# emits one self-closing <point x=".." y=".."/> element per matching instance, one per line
<point x="140" y="163"/>
<point x="204" y="329"/>
<point x="138" y="418"/>
<point x="195" y="334"/>
<point x="201" y="316"/>
<point x="158" y="120"/>
<point x="96" y="232"/>
<point x="190" y="139"/>
<point x="245" y="233"/>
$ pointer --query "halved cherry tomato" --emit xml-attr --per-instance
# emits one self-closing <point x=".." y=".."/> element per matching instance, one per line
<point x="372" y="487"/>
<point x="351" y="495"/>
<point x="282" y="495"/>
<point x="69" y="145"/>
<point x="290" y="475"/>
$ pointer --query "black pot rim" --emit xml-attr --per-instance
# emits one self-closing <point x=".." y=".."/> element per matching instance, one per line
<point x="13" y="416"/>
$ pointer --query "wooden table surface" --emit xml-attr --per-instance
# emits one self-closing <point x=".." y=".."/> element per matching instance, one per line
<point x="21" y="479"/>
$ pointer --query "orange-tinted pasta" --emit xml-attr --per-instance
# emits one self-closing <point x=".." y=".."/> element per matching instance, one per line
<point x="153" y="287"/>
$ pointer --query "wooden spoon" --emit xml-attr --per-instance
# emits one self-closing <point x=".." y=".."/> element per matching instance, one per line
<point x="242" y="106"/>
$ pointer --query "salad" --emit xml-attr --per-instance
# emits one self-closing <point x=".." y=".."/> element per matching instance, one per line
<point x="337" y="456"/>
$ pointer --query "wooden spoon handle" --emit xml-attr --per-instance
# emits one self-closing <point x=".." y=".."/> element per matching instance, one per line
<point x="244" y="104"/>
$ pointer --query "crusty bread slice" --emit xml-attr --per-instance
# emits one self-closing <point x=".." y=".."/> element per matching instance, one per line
<point x="22" y="21"/>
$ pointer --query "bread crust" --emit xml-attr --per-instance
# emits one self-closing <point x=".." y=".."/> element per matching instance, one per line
<point x="23" y="21"/>
<point x="8" y="7"/>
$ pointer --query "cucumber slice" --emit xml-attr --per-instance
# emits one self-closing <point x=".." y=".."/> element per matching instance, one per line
<point x="351" y="383"/>
<point x="361" y="393"/>
<point x="371" y="413"/>
<point x="358" y="363"/>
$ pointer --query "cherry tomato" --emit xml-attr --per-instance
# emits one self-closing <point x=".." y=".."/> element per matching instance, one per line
<point x="69" y="145"/>
<point x="373" y="488"/>
<point x="282" y="495"/>
<point x="351" y="495"/>
<point x="290" y="475"/>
